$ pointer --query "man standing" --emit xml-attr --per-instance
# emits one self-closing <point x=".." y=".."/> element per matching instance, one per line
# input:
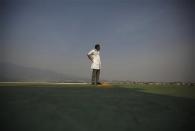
<point x="94" y="56"/>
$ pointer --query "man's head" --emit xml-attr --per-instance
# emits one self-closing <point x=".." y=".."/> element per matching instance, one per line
<point x="97" y="47"/>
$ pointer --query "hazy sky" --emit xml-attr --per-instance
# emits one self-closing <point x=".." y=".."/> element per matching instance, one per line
<point x="143" y="40"/>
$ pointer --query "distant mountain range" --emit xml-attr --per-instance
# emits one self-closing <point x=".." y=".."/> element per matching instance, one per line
<point x="12" y="72"/>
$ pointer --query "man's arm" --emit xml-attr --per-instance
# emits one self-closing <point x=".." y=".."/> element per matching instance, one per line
<point x="90" y="57"/>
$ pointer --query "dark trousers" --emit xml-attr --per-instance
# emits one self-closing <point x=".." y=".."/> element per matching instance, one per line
<point x="95" y="76"/>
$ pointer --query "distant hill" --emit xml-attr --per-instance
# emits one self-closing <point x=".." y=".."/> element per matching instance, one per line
<point x="13" y="72"/>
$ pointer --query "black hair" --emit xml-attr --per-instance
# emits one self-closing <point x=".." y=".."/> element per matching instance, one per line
<point x="96" y="46"/>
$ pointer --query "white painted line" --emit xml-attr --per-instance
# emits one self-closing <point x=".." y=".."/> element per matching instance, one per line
<point x="69" y="83"/>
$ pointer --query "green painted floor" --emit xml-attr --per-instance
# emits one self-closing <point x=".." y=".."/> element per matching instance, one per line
<point x="89" y="108"/>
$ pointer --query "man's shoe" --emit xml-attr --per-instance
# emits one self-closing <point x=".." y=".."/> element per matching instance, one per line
<point x="99" y="83"/>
